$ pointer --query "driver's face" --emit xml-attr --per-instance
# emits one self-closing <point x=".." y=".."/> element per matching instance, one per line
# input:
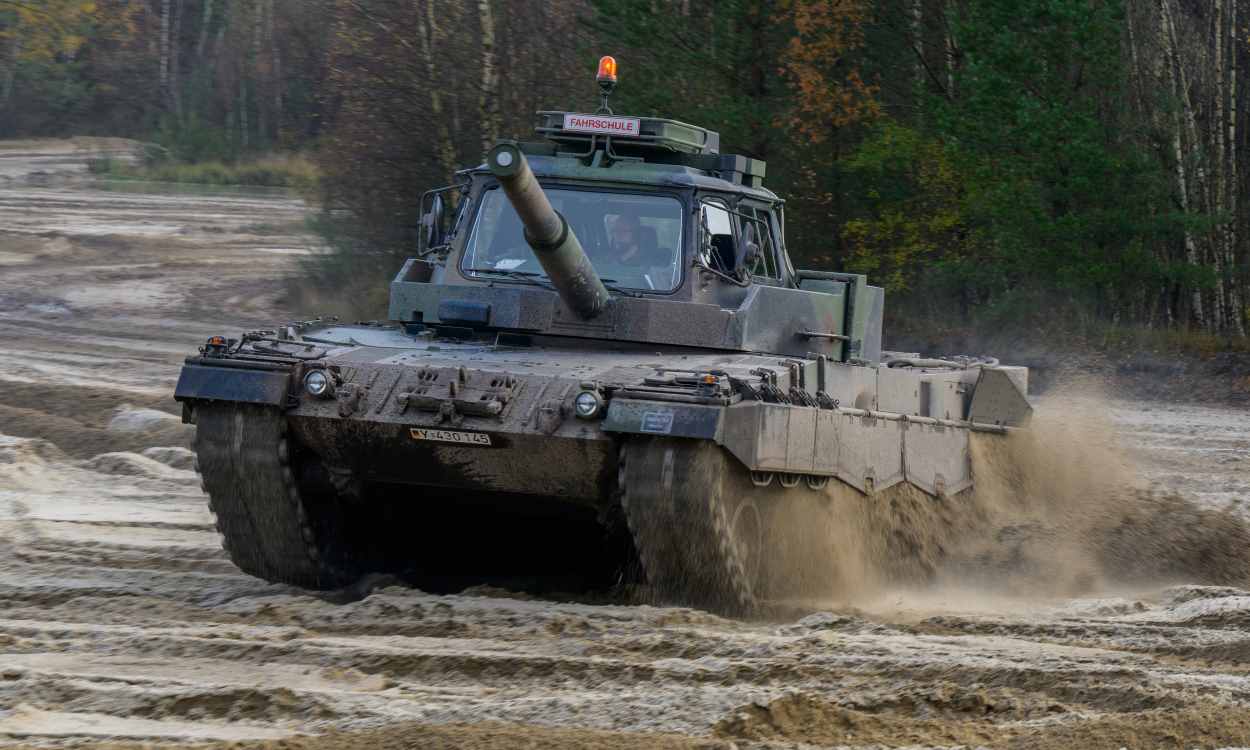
<point x="623" y="234"/>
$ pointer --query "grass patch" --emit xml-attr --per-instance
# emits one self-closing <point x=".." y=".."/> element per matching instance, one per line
<point x="279" y="170"/>
<point x="1060" y="336"/>
<point x="1033" y="319"/>
<point x="1136" y="338"/>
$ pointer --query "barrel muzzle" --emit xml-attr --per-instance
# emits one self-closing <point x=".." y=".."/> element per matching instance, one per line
<point x="548" y="234"/>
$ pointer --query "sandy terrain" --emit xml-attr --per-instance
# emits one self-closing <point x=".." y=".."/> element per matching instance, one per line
<point x="122" y="624"/>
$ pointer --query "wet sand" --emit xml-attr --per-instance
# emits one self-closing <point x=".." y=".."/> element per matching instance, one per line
<point x="122" y="624"/>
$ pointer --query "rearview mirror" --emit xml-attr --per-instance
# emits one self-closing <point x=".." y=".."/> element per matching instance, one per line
<point x="431" y="230"/>
<point x="748" y="249"/>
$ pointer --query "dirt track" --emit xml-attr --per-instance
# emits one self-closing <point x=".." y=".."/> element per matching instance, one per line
<point x="121" y="622"/>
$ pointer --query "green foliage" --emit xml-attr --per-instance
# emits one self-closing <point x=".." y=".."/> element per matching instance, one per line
<point x="59" y="86"/>
<point x="193" y="139"/>
<point x="713" y="64"/>
<point x="48" y="29"/>
<point x="287" y="171"/>
<point x="915" y="213"/>
<point x="209" y="79"/>
<point x="1055" y="179"/>
<point x="1025" y="182"/>
<point x="742" y="67"/>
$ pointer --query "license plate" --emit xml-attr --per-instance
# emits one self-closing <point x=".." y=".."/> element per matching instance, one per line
<point x="479" y="439"/>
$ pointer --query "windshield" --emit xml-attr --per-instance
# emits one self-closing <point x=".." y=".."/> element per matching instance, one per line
<point x="632" y="240"/>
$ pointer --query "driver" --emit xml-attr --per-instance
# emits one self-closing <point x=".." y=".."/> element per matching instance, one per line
<point x="645" y="265"/>
<point x="626" y="232"/>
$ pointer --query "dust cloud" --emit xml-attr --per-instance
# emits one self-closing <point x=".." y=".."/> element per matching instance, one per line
<point x="1062" y="509"/>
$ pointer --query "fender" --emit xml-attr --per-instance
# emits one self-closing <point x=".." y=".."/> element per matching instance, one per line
<point x="200" y="381"/>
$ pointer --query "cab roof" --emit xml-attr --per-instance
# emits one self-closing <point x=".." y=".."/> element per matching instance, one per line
<point x="641" y="151"/>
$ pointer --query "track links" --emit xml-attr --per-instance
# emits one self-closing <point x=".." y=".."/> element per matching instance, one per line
<point x="245" y="464"/>
<point x="678" y="502"/>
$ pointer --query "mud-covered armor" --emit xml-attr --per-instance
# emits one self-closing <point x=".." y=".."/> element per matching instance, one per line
<point x="603" y="350"/>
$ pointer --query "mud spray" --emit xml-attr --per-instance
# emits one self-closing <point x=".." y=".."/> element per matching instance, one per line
<point x="1058" y="510"/>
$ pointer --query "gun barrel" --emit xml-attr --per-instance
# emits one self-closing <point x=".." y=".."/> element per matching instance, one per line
<point x="548" y="233"/>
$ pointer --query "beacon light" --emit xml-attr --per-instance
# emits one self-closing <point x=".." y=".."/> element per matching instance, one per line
<point x="607" y="69"/>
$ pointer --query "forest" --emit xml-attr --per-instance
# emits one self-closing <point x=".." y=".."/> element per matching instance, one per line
<point x="1044" y="165"/>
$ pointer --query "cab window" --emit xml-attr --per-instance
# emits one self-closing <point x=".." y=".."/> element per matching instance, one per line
<point x="633" y="240"/>
<point x="717" y="249"/>
<point x="765" y="263"/>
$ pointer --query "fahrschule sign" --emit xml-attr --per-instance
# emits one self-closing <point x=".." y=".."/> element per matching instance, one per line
<point x="601" y="124"/>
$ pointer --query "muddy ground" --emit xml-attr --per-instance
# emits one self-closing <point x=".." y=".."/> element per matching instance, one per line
<point x="121" y="623"/>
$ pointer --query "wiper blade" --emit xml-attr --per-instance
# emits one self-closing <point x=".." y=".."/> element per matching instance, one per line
<point x="541" y="279"/>
<point x="532" y="277"/>
<point x="610" y="285"/>
<point x="504" y="272"/>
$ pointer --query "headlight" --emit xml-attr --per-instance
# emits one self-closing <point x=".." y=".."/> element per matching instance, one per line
<point x="317" y="383"/>
<point x="588" y="404"/>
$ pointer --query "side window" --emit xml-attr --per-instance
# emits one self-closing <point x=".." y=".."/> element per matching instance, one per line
<point x="765" y="264"/>
<point x="717" y="237"/>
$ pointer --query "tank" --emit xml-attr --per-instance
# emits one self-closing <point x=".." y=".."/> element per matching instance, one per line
<point x="600" y="368"/>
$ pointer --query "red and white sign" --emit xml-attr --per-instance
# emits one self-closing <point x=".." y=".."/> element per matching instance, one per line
<point x="601" y="124"/>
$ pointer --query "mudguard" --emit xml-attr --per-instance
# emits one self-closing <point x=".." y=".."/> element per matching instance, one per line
<point x="998" y="399"/>
<point x="247" y="386"/>
<point x="663" y="418"/>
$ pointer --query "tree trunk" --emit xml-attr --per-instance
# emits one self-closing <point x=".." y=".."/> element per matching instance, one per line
<point x="1236" y="295"/>
<point x="10" y="74"/>
<point x="229" y="101"/>
<point x="275" y="73"/>
<point x="488" y="96"/>
<point x="1218" y="168"/>
<point x="220" y="41"/>
<point x="1136" y="74"/>
<point x="258" y="39"/>
<point x="950" y="51"/>
<point x="1175" y="72"/>
<point x="427" y="30"/>
<point x="206" y="21"/>
<point x="244" y="133"/>
<point x="917" y="35"/>
<point x="175" y="89"/>
<point x="163" y="78"/>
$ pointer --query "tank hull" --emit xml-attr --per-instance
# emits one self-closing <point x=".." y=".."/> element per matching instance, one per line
<point x="568" y="469"/>
<point x="437" y="457"/>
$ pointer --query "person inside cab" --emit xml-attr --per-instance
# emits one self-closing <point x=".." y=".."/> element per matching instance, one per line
<point x="636" y="257"/>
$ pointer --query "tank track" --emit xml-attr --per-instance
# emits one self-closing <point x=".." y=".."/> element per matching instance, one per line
<point x="247" y="470"/>
<point x="679" y="500"/>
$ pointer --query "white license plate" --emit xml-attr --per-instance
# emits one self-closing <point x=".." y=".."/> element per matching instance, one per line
<point x="480" y="439"/>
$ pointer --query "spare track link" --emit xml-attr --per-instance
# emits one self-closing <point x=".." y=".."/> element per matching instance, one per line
<point x="244" y="458"/>
<point x="678" y="501"/>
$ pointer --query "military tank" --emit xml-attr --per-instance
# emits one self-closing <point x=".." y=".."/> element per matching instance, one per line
<point x="601" y="354"/>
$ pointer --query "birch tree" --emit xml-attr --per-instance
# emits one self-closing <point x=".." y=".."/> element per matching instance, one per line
<point x="488" y="99"/>
<point x="164" y="69"/>
<point x="428" y="35"/>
